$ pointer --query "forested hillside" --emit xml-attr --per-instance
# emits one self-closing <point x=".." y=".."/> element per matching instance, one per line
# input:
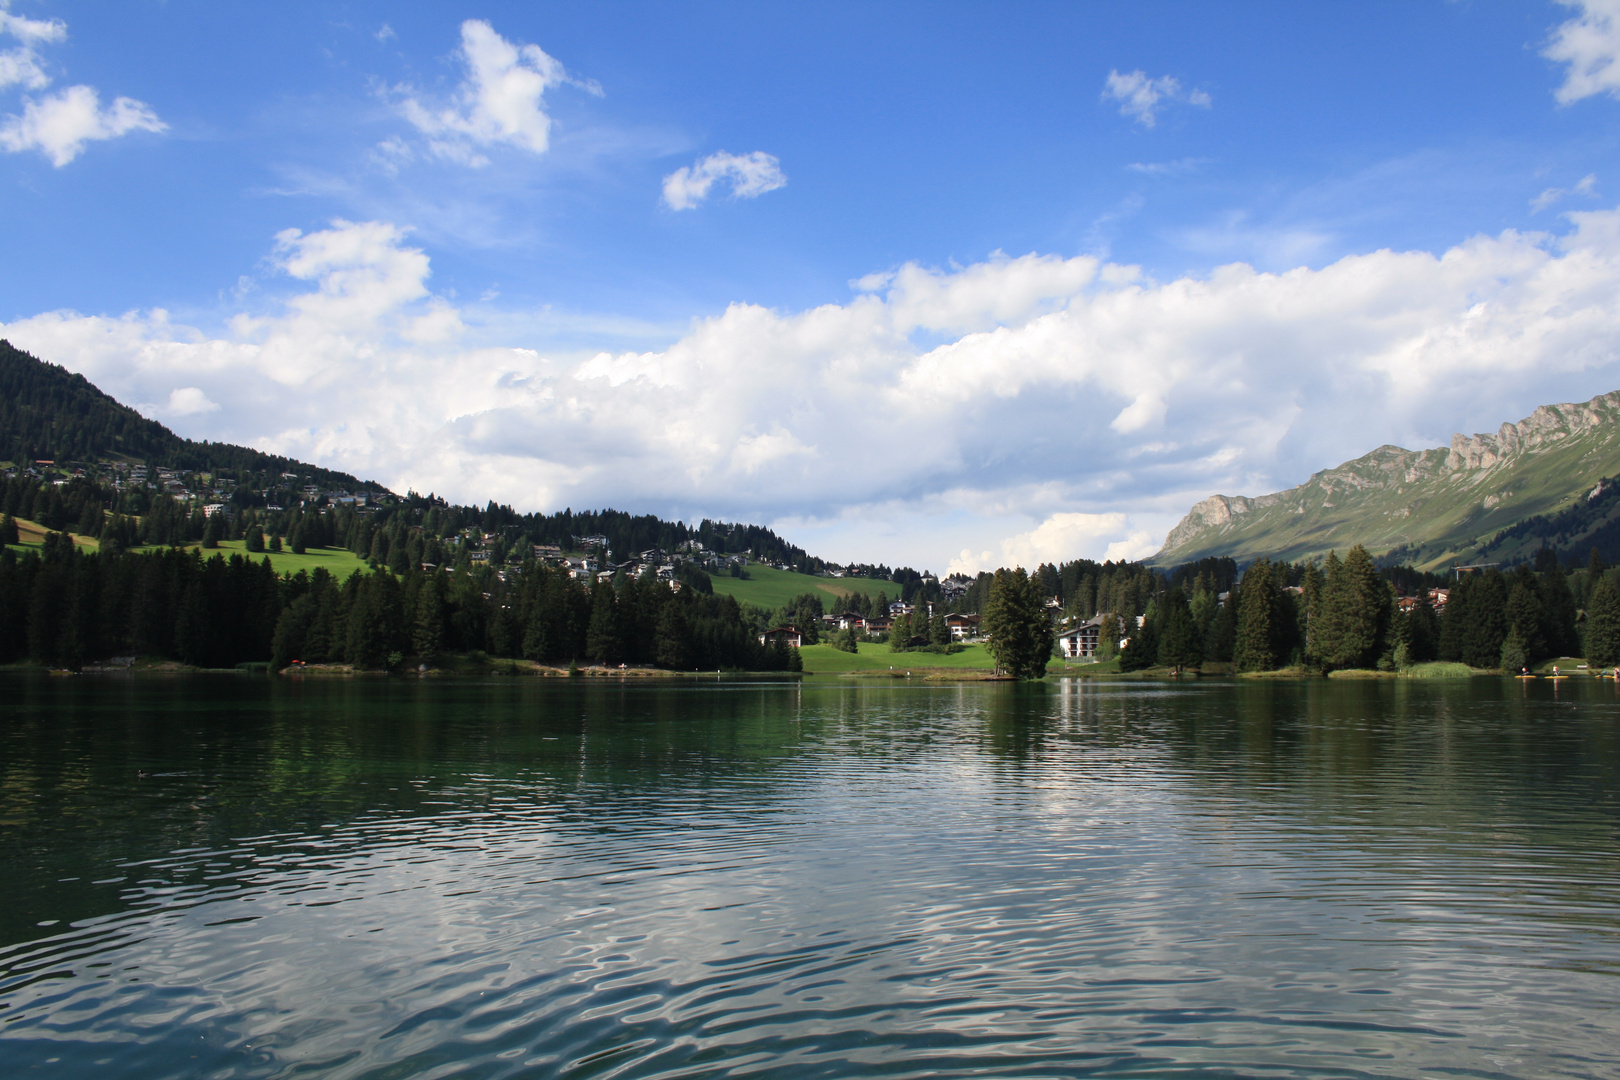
<point x="47" y="412"/>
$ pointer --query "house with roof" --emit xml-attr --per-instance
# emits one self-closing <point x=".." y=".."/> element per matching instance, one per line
<point x="787" y="635"/>
<point x="1079" y="642"/>
<point x="962" y="625"/>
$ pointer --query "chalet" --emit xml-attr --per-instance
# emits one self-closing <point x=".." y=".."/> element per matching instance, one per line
<point x="547" y="551"/>
<point x="1079" y="642"/>
<point x="962" y="626"/>
<point x="899" y="608"/>
<point x="594" y="540"/>
<point x="479" y="557"/>
<point x="851" y="620"/>
<point x="1437" y="601"/>
<point x="879" y="624"/>
<point x="788" y="635"/>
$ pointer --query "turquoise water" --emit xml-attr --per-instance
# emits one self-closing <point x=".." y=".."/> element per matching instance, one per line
<point x="240" y="877"/>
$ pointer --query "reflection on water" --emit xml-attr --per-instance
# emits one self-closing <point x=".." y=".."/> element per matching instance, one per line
<point x="248" y="878"/>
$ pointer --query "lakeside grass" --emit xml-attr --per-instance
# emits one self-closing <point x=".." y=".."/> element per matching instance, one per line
<point x="826" y="660"/>
<point x="770" y="588"/>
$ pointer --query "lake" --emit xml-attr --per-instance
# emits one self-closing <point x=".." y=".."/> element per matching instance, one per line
<point x="244" y="877"/>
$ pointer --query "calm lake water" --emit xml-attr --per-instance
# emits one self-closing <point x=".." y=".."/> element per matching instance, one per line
<point x="393" y="878"/>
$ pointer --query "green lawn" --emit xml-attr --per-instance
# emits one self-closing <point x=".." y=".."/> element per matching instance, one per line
<point x="32" y="535"/>
<point x="826" y="660"/>
<point x="338" y="562"/>
<point x="770" y="589"/>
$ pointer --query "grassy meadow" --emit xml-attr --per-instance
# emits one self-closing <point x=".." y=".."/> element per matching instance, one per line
<point x="31" y="535"/>
<point x="770" y="589"/>
<point x="826" y="660"/>
<point x="338" y="562"/>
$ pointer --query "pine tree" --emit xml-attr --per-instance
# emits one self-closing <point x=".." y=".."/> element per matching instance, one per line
<point x="1328" y="620"/>
<point x="1487" y="624"/>
<point x="1558" y="610"/>
<point x="672" y="648"/>
<point x="1108" y="635"/>
<point x="1422" y="630"/>
<point x="1524" y="616"/>
<point x="1366" y="628"/>
<point x="1141" y="649"/>
<point x="1222" y="634"/>
<point x="1459" y="613"/>
<point x="8" y="530"/>
<point x="1180" y="643"/>
<point x="1603" y="625"/>
<point x="1016" y="626"/>
<point x="602" y="637"/>
<point x="214" y="530"/>
<point x="900" y="634"/>
<point x="1515" y="653"/>
<point x="427" y="633"/>
<point x="1254" y="645"/>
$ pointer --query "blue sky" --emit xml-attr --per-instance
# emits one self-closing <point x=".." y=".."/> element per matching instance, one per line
<point x="940" y="285"/>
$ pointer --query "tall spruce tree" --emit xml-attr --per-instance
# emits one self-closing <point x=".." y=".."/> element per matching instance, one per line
<point x="1016" y="626"/>
<point x="1603" y="625"/>
<point x="1487" y="626"/>
<point x="1557" y="605"/>
<point x="1255" y="636"/>
<point x="1181" y="645"/>
<point x="1455" y="622"/>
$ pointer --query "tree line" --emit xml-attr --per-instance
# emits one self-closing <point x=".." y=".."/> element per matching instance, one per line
<point x="1344" y="614"/>
<point x="64" y="606"/>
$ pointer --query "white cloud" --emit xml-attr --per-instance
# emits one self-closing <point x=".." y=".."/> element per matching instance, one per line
<point x="1060" y="538"/>
<point x="1141" y="97"/>
<point x="1074" y="407"/>
<point x="187" y="401"/>
<point x="59" y="124"/>
<point x="500" y="100"/>
<point x="1590" y="45"/>
<point x="21" y="65"/>
<point x="1586" y="186"/>
<point x="750" y="176"/>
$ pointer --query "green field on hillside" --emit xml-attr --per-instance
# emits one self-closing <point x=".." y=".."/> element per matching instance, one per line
<point x="770" y="589"/>
<point x="32" y="535"/>
<point x="826" y="660"/>
<point x="339" y="562"/>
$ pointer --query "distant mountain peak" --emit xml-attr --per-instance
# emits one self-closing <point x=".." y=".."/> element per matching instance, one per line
<point x="1430" y="505"/>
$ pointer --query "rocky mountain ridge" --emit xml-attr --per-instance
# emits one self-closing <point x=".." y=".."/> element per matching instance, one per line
<point x="1429" y="506"/>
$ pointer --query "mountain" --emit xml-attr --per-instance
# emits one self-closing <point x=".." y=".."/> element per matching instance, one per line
<point x="48" y="412"/>
<point x="1547" y="480"/>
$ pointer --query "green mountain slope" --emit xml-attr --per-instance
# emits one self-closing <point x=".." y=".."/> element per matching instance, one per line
<point x="1497" y="497"/>
<point x="769" y="588"/>
<point x="48" y="412"/>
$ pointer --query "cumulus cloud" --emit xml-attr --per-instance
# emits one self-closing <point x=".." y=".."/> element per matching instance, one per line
<point x="1032" y="408"/>
<point x="58" y="124"/>
<point x="749" y="175"/>
<point x="1141" y="97"/>
<point x="1590" y="45"/>
<point x="500" y="100"/>
<point x="1062" y="537"/>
